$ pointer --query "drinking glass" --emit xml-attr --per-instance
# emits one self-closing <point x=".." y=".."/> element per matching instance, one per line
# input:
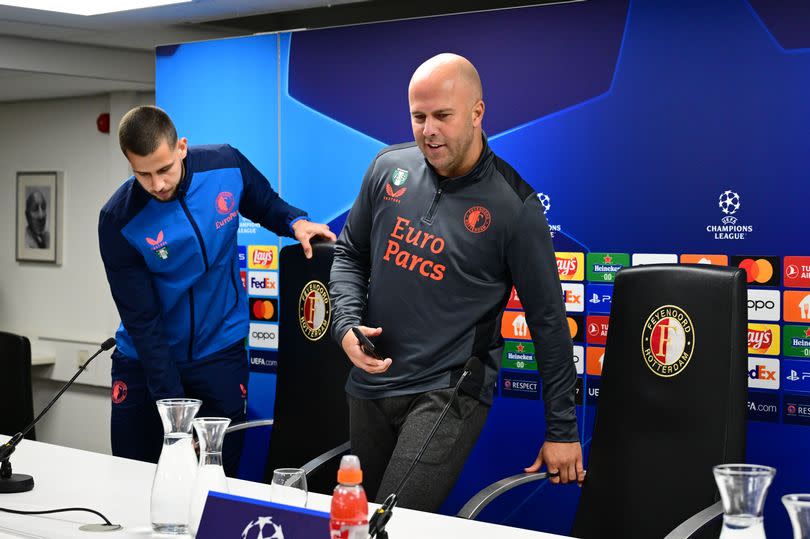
<point x="289" y="487"/>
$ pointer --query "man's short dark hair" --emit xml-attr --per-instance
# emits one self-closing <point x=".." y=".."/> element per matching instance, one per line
<point x="143" y="129"/>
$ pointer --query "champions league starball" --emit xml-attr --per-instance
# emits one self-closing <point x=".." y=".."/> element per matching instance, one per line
<point x="729" y="202"/>
<point x="263" y="528"/>
<point x="545" y="201"/>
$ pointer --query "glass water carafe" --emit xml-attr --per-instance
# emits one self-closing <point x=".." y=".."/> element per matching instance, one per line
<point x="798" y="507"/>
<point x="177" y="467"/>
<point x="743" y="488"/>
<point x="210" y="475"/>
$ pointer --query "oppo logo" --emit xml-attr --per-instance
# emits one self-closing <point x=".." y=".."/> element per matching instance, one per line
<point x="764" y="305"/>
<point x="263" y="335"/>
<point x="758" y="304"/>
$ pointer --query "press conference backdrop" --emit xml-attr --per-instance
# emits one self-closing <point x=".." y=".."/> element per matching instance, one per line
<point x="653" y="132"/>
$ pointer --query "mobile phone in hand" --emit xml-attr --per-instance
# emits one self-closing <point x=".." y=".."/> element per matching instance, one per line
<point x="365" y="343"/>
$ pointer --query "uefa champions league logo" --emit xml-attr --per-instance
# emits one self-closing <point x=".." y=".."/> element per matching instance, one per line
<point x="729" y="203"/>
<point x="263" y="528"/>
<point x="545" y="201"/>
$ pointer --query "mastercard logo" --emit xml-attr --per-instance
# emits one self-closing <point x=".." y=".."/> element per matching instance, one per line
<point x="263" y="309"/>
<point x="757" y="271"/>
<point x="573" y="327"/>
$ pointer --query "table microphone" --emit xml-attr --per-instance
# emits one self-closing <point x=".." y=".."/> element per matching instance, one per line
<point x="11" y="482"/>
<point x="376" y="526"/>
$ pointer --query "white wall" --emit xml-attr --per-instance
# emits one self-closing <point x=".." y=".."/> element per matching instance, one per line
<point x="68" y="305"/>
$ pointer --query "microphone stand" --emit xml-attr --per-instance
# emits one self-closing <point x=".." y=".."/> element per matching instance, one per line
<point x="11" y="482"/>
<point x="376" y="526"/>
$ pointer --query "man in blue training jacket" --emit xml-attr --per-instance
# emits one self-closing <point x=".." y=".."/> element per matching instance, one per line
<point x="168" y="241"/>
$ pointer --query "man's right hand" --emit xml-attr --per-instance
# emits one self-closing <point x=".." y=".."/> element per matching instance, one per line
<point x="360" y="359"/>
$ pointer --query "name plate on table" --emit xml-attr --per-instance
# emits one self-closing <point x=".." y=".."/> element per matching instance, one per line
<point x="226" y="516"/>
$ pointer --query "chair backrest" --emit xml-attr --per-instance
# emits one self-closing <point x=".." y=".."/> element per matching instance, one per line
<point x="16" y="397"/>
<point x="311" y="415"/>
<point x="672" y="401"/>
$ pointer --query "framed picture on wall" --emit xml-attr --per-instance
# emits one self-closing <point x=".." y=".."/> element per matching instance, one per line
<point x="39" y="217"/>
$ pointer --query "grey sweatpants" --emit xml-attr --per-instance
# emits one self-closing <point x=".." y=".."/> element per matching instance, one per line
<point x="387" y="434"/>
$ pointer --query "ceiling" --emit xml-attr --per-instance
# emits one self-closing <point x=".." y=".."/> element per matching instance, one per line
<point x="27" y="71"/>
<point x="46" y="55"/>
<point x="145" y="28"/>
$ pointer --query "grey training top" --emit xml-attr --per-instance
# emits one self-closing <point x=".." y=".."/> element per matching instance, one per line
<point x="432" y="261"/>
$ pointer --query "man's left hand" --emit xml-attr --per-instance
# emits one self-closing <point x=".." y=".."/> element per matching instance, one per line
<point x="305" y="231"/>
<point x="564" y="458"/>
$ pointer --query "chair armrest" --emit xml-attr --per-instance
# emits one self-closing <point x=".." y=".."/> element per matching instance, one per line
<point x="315" y="464"/>
<point x="249" y="425"/>
<point x="696" y="522"/>
<point x="478" y="502"/>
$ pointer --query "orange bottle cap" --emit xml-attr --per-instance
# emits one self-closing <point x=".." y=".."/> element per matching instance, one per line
<point x="350" y="476"/>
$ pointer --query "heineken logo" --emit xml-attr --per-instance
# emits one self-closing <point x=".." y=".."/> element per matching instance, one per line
<point x="602" y="267"/>
<point x="796" y="341"/>
<point x="518" y="355"/>
<point x="399" y="176"/>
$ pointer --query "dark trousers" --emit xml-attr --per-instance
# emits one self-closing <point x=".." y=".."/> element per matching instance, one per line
<point x="387" y="434"/>
<point x="220" y="382"/>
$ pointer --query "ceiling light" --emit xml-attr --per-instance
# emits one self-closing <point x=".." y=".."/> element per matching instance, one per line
<point x="89" y="7"/>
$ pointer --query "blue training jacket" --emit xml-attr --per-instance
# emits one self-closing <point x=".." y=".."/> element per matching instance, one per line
<point x="173" y="267"/>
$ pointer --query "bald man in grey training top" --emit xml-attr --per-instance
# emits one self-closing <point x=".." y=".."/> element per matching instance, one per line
<point x="440" y="231"/>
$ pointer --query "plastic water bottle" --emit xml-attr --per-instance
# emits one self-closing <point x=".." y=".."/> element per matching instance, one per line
<point x="348" y="518"/>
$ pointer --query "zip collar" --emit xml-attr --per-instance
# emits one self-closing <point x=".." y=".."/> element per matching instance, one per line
<point x="481" y="169"/>
<point x="185" y="181"/>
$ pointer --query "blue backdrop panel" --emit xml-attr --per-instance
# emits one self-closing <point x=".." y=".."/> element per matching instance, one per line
<point x="632" y="117"/>
<point x="322" y="160"/>
<point x="227" y="92"/>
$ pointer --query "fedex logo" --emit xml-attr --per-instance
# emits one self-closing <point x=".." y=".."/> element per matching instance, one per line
<point x="763" y="373"/>
<point x="573" y="297"/>
<point x="262" y="283"/>
<point x="263" y="256"/>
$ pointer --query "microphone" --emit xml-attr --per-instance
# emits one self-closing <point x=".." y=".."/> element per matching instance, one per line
<point x="11" y="482"/>
<point x="376" y="526"/>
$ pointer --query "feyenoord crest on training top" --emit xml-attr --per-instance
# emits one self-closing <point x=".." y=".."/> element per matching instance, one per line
<point x="314" y="310"/>
<point x="668" y="340"/>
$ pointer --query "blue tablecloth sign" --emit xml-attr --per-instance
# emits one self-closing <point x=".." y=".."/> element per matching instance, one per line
<point x="227" y="516"/>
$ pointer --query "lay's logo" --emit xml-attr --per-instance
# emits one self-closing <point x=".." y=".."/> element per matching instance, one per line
<point x="763" y="339"/>
<point x="263" y="256"/>
<point x="571" y="266"/>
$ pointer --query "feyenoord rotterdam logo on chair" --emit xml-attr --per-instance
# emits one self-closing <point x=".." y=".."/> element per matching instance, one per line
<point x="668" y="340"/>
<point x="314" y="310"/>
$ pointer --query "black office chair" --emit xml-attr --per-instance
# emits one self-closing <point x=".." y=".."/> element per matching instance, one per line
<point x="672" y="404"/>
<point x="311" y="415"/>
<point x="16" y="396"/>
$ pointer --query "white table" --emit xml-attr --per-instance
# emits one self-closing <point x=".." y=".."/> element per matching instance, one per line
<point x="120" y="489"/>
